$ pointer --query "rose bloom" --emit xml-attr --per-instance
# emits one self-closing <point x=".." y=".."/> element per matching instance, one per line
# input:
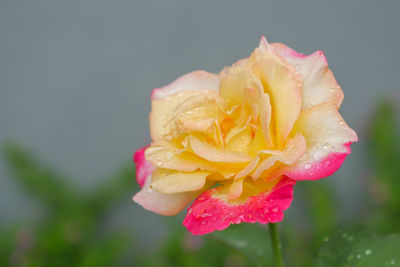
<point x="237" y="142"/>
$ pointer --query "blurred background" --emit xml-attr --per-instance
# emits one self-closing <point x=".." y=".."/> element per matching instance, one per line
<point x="75" y="84"/>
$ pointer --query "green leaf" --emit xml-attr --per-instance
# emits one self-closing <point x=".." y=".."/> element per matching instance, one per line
<point x="251" y="239"/>
<point x="357" y="248"/>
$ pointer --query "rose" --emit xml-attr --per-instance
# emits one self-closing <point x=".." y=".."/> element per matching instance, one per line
<point x="237" y="142"/>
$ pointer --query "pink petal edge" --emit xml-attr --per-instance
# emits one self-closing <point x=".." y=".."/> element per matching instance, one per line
<point x="319" y="169"/>
<point x="143" y="167"/>
<point x="208" y="213"/>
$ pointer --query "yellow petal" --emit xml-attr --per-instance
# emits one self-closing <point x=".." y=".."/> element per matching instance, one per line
<point x="169" y="182"/>
<point x="162" y="112"/>
<point x="295" y="149"/>
<point x="196" y="80"/>
<point x="234" y="82"/>
<point x="258" y="142"/>
<point x="170" y="158"/>
<point x="249" y="188"/>
<point x="239" y="140"/>
<point x="265" y="118"/>
<point x="284" y="89"/>
<point x="249" y="168"/>
<point x="214" y="154"/>
<point x="236" y="189"/>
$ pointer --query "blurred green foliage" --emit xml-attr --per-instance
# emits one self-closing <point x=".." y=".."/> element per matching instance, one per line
<point x="68" y="233"/>
<point x="71" y="230"/>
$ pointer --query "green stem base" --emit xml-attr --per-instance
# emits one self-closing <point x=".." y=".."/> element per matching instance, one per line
<point x="276" y="245"/>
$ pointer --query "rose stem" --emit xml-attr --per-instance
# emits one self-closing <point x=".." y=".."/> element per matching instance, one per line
<point x="276" y="245"/>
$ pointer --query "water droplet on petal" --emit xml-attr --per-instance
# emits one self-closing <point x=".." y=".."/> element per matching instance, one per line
<point x="308" y="165"/>
<point x="275" y="210"/>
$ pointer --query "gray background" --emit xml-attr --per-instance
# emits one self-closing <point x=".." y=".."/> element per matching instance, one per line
<point x="76" y="75"/>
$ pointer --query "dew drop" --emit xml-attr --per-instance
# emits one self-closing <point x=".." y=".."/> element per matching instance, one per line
<point x="159" y="163"/>
<point x="368" y="252"/>
<point x="275" y="210"/>
<point x="326" y="146"/>
<point x="326" y="238"/>
<point x="358" y="256"/>
<point x="308" y="165"/>
<point x="392" y="262"/>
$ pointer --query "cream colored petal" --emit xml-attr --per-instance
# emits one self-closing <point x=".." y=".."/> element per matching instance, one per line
<point x="265" y="118"/>
<point x="164" y="204"/>
<point x="258" y="142"/>
<point x="295" y="149"/>
<point x="319" y="83"/>
<point x="249" y="168"/>
<point x="234" y="82"/>
<point x="170" y="182"/>
<point x="196" y="80"/>
<point x="284" y="89"/>
<point x="236" y="189"/>
<point x="218" y="135"/>
<point x="265" y="165"/>
<point x="240" y="140"/>
<point x="171" y="158"/>
<point x="325" y="132"/>
<point x="214" y="154"/>
<point x="163" y="112"/>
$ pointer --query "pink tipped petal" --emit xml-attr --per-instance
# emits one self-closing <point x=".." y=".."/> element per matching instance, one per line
<point x="318" y="169"/>
<point x="164" y="204"/>
<point x="328" y="143"/>
<point x="209" y="213"/>
<point x="196" y="80"/>
<point x="264" y="44"/>
<point x="319" y="83"/>
<point x="144" y="168"/>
